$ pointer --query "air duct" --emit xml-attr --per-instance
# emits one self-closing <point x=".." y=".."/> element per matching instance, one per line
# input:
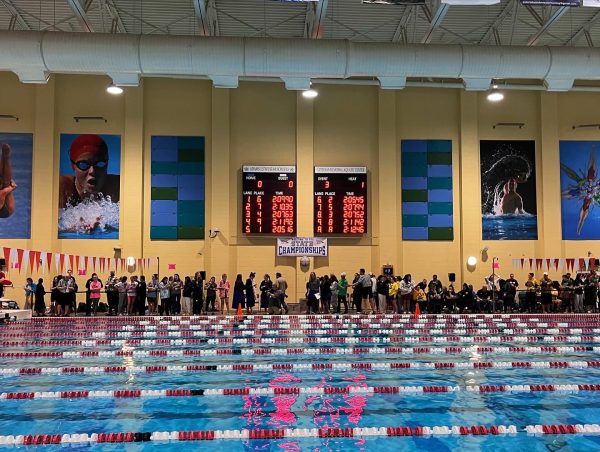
<point x="34" y="55"/>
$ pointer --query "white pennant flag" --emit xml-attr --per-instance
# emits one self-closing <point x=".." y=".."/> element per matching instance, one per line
<point x="25" y="261"/>
<point x="44" y="261"/>
<point x="57" y="262"/>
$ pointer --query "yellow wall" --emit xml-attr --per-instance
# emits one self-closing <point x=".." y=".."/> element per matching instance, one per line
<point x="262" y="123"/>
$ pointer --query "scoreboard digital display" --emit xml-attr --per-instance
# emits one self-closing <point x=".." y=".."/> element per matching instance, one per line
<point x="269" y="200"/>
<point x="340" y="201"/>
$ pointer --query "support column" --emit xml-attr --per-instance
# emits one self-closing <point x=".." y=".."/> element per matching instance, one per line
<point x="132" y="209"/>
<point x="304" y="178"/>
<point x="219" y="255"/>
<point x="387" y="206"/>
<point x="44" y="204"/>
<point x="469" y="183"/>
<point x="550" y="232"/>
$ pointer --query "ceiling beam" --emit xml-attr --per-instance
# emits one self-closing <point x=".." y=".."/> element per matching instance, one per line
<point x="315" y="18"/>
<point x="8" y="4"/>
<point x="535" y="39"/>
<point x="401" y="35"/>
<point x="435" y="22"/>
<point x="583" y="29"/>
<point x="110" y="8"/>
<point x="79" y="11"/>
<point x="510" y="6"/>
<point x="206" y="15"/>
<point x="534" y="14"/>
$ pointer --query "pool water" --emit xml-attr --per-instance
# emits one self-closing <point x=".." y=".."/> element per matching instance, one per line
<point x="310" y="407"/>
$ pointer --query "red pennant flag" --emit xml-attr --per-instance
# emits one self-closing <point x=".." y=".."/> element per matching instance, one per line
<point x="19" y="258"/>
<point x="62" y="263"/>
<point x="548" y="264"/>
<point x="538" y="264"/>
<point x="522" y="262"/>
<point x="581" y="264"/>
<point x="147" y="262"/>
<point x="38" y="258"/>
<point x="49" y="260"/>
<point x="7" y="257"/>
<point x="85" y="262"/>
<point x="556" y="261"/>
<point x="94" y="263"/>
<point x="531" y="264"/>
<point x="32" y="260"/>
<point x="102" y="264"/>
<point x="71" y="261"/>
<point x="76" y="263"/>
<point x="139" y="264"/>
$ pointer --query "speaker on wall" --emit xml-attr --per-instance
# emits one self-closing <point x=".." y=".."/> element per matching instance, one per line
<point x="452" y="277"/>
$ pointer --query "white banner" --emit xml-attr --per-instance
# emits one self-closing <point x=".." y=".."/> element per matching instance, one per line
<point x="301" y="246"/>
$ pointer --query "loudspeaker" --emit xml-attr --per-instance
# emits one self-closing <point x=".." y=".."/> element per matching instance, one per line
<point x="2" y="264"/>
<point x="203" y="275"/>
<point x="452" y="277"/>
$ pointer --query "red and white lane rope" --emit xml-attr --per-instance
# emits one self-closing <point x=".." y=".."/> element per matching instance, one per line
<point x="363" y="332"/>
<point x="160" y="393"/>
<point x="275" y="434"/>
<point x="303" y="366"/>
<point x="226" y="392"/>
<point x="304" y="351"/>
<point x="303" y="340"/>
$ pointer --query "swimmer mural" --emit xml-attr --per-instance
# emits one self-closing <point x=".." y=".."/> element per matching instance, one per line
<point x="16" y="150"/>
<point x="89" y="191"/>
<point x="580" y="190"/>
<point x="508" y="191"/>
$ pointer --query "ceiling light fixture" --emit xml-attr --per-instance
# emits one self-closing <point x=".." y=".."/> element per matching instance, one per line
<point x="310" y="93"/>
<point x="495" y="95"/>
<point x="114" y="89"/>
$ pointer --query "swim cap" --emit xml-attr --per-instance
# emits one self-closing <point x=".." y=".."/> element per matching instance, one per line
<point x="88" y="144"/>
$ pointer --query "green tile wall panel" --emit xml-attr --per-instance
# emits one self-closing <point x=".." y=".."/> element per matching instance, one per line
<point x="439" y="146"/>
<point x="414" y="196"/>
<point x="440" y="208"/>
<point x="439" y="183"/>
<point x="441" y="234"/>
<point x="414" y="221"/>
<point x="164" y="193"/>
<point x="190" y="232"/>
<point x="163" y="233"/>
<point x="439" y="158"/>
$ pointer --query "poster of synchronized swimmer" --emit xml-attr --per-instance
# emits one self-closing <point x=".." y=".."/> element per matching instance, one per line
<point x="508" y="190"/>
<point x="16" y="151"/>
<point x="89" y="190"/>
<point x="580" y="190"/>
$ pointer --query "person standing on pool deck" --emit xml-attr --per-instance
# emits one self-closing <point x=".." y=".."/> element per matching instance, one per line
<point x="224" y="288"/>
<point x="239" y="298"/>
<point x="7" y="184"/>
<point x="530" y="296"/>
<point x="95" y="286"/>
<point x="112" y="293"/>
<point x="281" y="285"/>
<point x="40" y="305"/>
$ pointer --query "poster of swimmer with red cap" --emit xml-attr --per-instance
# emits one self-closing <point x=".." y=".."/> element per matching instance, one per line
<point x="89" y="191"/>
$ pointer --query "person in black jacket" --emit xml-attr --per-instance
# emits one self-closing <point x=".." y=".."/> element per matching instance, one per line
<point x="40" y="305"/>
<point x="265" y="288"/>
<point x="197" y="293"/>
<point x="141" y="295"/>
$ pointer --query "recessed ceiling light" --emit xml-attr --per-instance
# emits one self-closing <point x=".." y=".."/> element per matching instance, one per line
<point x="114" y="89"/>
<point x="310" y="93"/>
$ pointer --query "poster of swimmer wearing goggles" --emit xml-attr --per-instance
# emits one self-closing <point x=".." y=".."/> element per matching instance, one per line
<point x="89" y="192"/>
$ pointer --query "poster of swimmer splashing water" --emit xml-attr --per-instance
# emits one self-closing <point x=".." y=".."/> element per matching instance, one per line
<point x="580" y="190"/>
<point x="15" y="185"/>
<point x="89" y="192"/>
<point x="508" y="191"/>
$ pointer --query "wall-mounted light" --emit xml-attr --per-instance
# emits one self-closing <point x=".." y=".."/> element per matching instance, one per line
<point x="310" y="93"/>
<point x="495" y="95"/>
<point x="212" y="233"/>
<point x="114" y="89"/>
<point x="471" y="261"/>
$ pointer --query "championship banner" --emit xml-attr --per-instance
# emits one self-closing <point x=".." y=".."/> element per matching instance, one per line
<point x="301" y="246"/>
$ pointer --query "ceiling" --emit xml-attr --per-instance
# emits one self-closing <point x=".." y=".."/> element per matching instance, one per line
<point x="508" y="23"/>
